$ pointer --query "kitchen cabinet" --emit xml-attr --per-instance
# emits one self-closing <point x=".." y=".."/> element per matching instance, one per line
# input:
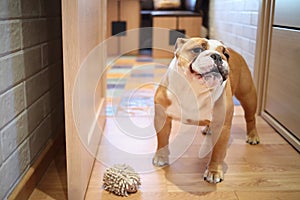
<point x="186" y="21"/>
<point x="127" y="11"/>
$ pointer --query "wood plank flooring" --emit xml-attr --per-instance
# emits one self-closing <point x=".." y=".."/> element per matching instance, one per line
<point x="54" y="182"/>
<point x="270" y="170"/>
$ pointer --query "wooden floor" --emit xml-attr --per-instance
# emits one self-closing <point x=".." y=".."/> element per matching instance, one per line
<point x="54" y="182"/>
<point x="270" y="170"/>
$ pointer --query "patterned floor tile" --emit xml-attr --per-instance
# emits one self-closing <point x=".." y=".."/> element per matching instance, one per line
<point x="116" y="81"/>
<point x="115" y="86"/>
<point x="119" y="70"/>
<point x="131" y="80"/>
<point x="144" y="59"/>
<point x="131" y="83"/>
<point x="122" y="66"/>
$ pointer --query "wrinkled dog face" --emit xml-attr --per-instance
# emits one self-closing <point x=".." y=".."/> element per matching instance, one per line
<point x="206" y="60"/>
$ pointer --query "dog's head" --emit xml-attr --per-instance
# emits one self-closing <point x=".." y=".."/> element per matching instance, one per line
<point x="203" y="59"/>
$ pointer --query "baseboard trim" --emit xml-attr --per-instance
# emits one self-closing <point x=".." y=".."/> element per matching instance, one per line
<point x="289" y="137"/>
<point x="33" y="176"/>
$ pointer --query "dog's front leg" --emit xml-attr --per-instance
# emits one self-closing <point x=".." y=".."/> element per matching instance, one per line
<point x="163" y="124"/>
<point x="220" y="127"/>
<point x="214" y="172"/>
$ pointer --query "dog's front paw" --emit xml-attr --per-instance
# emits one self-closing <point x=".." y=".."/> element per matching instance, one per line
<point x="206" y="130"/>
<point x="161" y="157"/>
<point x="214" y="176"/>
<point x="253" y="138"/>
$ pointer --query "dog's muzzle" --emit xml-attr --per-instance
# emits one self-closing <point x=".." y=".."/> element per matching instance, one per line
<point x="219" y="67"/>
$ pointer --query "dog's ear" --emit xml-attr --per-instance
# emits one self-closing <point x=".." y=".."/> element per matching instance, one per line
<point x="179" y="43"/>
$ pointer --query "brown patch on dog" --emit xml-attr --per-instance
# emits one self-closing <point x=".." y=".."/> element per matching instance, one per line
<point x="223" y="52"/>
<point x="204" y="123"/>
<point x="186" y="55"/>
<point x="161" y="97"/>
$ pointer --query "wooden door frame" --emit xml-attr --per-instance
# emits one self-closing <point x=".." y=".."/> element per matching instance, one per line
<point x="261" y="53"/>
<point x="83" y="28"/>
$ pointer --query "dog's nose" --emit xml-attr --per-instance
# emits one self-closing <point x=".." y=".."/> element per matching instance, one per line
<point x="217" y="58"/>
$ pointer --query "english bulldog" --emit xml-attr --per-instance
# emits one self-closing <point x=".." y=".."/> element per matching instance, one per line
<point x="197" y="89"/>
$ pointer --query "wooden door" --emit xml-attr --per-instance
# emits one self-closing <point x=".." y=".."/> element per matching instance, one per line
<point x="282" y="92"/>
<point x="277" y="67"/>
<point x="84" y="27"/>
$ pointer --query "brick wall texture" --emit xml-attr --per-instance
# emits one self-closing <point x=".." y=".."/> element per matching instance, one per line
<point x="31" y="89"/>
<point x="235" y="23"/>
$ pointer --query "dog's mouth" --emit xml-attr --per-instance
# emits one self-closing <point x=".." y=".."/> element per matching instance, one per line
<point x="216" y="71"/>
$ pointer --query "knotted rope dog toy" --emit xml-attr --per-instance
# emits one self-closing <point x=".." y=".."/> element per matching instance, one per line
<point x="121" y="179"/>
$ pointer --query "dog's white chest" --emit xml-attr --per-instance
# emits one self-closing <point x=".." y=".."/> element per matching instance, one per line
<point x="190" y="100"/>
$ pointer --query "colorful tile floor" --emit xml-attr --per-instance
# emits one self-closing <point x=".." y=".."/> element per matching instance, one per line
<point x="131" y="83"/>
<point x="129" y="135"/>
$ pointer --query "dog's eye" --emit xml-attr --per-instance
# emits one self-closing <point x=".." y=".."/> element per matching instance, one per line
<point x="197" y="50"/>
<point x="226" y="55"/>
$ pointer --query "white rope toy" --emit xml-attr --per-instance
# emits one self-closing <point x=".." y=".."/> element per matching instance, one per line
<point x="121" y="179"/>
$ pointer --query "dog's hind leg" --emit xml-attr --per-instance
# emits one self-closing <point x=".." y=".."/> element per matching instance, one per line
<point x="246" y="94"/>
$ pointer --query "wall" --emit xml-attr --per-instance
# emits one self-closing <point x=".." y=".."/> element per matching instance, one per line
<point x="235" y="23"/>
<point x="31" y="101"/>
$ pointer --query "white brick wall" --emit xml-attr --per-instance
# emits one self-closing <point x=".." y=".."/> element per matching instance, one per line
<point x="32" y="59"/>
<point x="31" y="98"/>
<point x="235" y="23"/>
<point x="1" y="155"/>
<point x="14" y="134"/>
<point x="11" y="70"/>
<point x="12" y="102"/>
<point x="9" y="9"/>
<point x="37" y="85"/>
<point x="15" y="165"/>
<point x="10" y="39"/>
